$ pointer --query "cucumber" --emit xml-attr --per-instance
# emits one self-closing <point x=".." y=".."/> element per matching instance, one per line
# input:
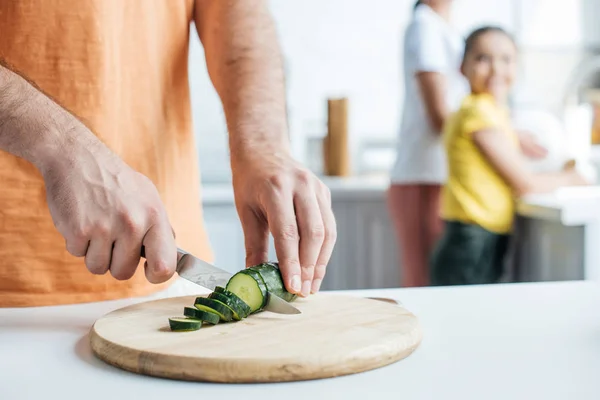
<point x="242" y="304"/>
<point x="250" y="287"/>
<point x="245" y="308"/>
<point x="271" y="275"/>
<point x="205" y="316"/>
<point x="215" y="307"/>
<point x="181" y="324"/>
<point x="238" y="313"/>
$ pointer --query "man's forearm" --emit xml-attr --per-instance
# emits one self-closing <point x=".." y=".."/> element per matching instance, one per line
<point x="32" y="126"/>
<point x="245" y="66"/>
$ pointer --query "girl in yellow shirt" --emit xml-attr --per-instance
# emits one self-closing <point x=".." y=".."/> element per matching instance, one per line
<point x="485" y="168"/>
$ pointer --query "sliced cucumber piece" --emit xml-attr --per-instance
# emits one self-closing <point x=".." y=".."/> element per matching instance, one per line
<point x="181" y="324"/>
<point x="215" y="307"/>
<point x="238" y="313"/>
<point x="206" y="316"/>
<point x="241" y="303"/>
<point x="271" y="275"/>
<point x="249" y="286"/>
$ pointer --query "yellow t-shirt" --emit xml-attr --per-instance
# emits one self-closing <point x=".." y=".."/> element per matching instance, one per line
<point x="475" y="193"/>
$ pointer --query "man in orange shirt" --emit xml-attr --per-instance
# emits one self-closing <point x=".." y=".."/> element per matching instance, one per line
<point x="97" y="154"/>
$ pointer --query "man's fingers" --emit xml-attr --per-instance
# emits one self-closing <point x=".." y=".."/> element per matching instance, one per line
<point x="160" y="252"/>
<point x="125" y="257"/>
<point x="77" y="247"/>
<point x="98" y="256"/>
<point x="256" y="237"/>
<point x="329" y="240"/>
<point x="312" y="232"/>
<point x="282" y="222"/>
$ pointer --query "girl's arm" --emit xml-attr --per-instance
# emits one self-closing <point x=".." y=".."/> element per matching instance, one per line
<point x="507" y="161"/>
<point x="530" y="146"/>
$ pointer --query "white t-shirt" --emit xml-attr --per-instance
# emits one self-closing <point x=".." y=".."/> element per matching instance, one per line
<point x="430" y="45"/>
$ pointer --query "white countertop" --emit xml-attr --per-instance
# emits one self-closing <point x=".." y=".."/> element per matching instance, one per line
<point x="519" y="341"/>
<point x="569" y="206"/>
<point x="342" y="188"/>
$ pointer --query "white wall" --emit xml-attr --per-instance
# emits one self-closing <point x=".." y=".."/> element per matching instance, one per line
<point x="352" y="48"/>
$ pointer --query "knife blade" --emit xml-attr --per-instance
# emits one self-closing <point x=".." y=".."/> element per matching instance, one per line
<point x="209" y="276"/>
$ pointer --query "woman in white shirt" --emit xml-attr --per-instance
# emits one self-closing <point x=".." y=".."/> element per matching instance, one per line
<point x="434" y="87"/>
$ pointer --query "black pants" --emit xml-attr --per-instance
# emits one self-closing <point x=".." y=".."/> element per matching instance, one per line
<point x="468" y="254"/>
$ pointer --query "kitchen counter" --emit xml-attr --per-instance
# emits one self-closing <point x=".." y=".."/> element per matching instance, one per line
<point x="556" y="235"/>
<point x="569" y="206"/>
<point x="342" y="188"/>
<point x="513" y="341"/>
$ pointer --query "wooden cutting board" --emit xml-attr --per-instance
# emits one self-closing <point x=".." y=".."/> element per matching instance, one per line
<point x="335" y="335"/>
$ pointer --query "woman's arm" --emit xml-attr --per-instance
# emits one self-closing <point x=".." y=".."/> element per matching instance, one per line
<point x="433" y="91"/>
<point x="429" y="61"/>
<point x="507" y="161"/>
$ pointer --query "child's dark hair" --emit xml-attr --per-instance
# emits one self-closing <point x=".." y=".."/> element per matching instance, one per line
<point x="417" y="4"/>
<point x="477" y="33"/>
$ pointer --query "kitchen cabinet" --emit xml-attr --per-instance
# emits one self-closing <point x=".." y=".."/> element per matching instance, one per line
<point x="225" y="235"/>
<point x="546" y="250"/>
<point x="559" y="235"/>
<point x="365" y="255"/>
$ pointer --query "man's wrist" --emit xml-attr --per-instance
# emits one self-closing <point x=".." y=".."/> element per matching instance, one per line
<point x="249" y="149"/>
<point x="53" y="128"/>
<point x="34" y="127"/>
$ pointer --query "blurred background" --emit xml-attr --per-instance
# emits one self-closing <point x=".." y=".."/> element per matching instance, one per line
<point x="352" y="49"/>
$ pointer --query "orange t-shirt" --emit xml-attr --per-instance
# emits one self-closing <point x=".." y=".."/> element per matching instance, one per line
<point x="122" y="66"/>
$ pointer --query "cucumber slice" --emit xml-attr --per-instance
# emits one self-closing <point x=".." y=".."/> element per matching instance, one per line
<point x="270" y="273"/>
<point x="249" y="286"/>
<point x="200" y="315"/>
<point x="233" y="304"/>
<point x="215" y="307"/>
<point x="241" y="303"/>
<point x="181" y="324"/>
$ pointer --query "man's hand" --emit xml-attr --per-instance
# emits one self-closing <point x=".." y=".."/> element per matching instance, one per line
<point x="103" y="209"/>
<point x="272" y="191"/>
<point x="106" y="211"/>
<point x="530" y="147"/>
<point x="275" y="194"/>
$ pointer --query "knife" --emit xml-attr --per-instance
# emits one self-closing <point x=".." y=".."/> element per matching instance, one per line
<point x="207" y="275"/>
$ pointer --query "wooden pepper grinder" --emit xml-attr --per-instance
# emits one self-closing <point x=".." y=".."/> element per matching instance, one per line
<point x="335" y="144"/>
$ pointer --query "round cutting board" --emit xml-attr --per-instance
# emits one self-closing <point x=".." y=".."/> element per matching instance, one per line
<point x="335" y="335"/>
